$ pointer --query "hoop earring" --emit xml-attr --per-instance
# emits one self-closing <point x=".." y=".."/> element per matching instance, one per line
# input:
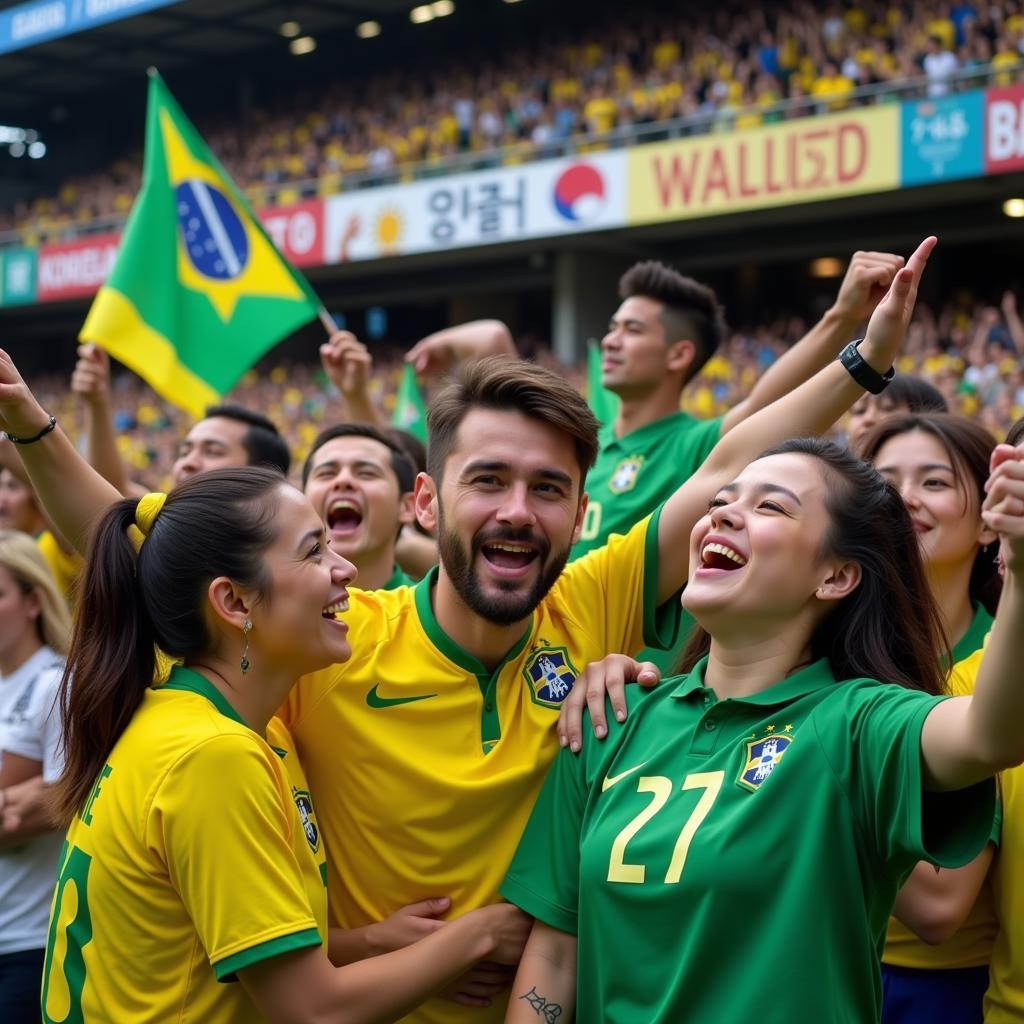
<point x="246" y="630"/>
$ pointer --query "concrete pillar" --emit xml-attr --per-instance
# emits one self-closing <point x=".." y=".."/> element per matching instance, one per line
<point x="584" y="296"/>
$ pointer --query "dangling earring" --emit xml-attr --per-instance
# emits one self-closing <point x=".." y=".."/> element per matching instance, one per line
<point x="246" y="629"/>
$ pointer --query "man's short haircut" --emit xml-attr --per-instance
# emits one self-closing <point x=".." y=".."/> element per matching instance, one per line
<point x="401" y="464"/>
<point x="691" y="312"/>
<point x="509" y="385"/>
<point x="262" y="441"/>
<point x="915" y="395"/>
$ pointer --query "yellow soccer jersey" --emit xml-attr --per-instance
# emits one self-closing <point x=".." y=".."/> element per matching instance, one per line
<point x="196" y="854"/>
<point x="1004" y="1000"/>
<point x="971" y="946"/>
<point x="425" y="765"/>
<point x="64" y="566"/>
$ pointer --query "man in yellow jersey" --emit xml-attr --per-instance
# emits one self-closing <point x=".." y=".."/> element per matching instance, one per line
<point x="426" y="750"/>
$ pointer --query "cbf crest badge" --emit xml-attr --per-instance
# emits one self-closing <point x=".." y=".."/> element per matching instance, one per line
<point x="550" y="674"/>
<point x="762" y="757"/>
<point x="304" y="803"/>
<point x="626" y="472"/>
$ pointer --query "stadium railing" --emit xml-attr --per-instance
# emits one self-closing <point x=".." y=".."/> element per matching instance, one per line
<point x="720" y="120"/>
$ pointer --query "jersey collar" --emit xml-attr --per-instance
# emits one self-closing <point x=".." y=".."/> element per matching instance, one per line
<point x="186" y="679"/>
<point x="656" y="428"/>
<point x="816" y="676"/>
<point x="445" y="644"/>
<point x="974" y="638"/>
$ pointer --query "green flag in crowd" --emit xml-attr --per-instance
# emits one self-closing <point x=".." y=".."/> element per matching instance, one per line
<point x="410" y="408"/>
<point x="198" y="292"/>
<point x="603" y="404"/>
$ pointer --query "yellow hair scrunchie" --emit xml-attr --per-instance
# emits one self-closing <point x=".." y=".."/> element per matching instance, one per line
<point x="146" y="512"/>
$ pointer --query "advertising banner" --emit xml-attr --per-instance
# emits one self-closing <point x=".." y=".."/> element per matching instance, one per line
<point x="72" y="270"/>
<point x="507" y="204"/>
<point x="824" y="157"/>
<point x="17" y="277"/>
<point x="1004" y="129"/>
<point x="35" y="22"/>
<point x="943" y="139"/>
<point x="297" y="231"/>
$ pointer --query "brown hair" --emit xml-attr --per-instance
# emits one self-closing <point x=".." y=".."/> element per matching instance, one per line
<point x="889" y="628"/>
<point x="515" y="385"/>
<point x="20" y="556"/>
<point x="970" y="449"/>
<point x="216" y="524"/>
<point x="692" y="311"/>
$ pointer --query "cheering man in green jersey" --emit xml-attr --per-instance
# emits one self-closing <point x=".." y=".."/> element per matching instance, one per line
<point x="426" y="749"/>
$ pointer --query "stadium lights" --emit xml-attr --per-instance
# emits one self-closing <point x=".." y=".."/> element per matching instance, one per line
<point x="1014" y="207"/>
<point x="442" y="8"/>
<point x="20" y="141"/>
<point x="513" y="1"/>
<point x="37" y="150"/>
<point x="422" y="14"/>
<point x="368" y="29"/>
<point x="304" y="44"/>
<point x="826" y="266"/>
<point x="290" y="29"/>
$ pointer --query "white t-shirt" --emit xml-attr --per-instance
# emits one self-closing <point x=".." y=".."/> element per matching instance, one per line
<point x="940" y="67"/>
<point x="30" y="728"/>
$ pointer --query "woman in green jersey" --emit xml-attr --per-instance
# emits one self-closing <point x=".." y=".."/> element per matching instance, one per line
<point x="939" y="942"/>
<point x="732" y="851"/>
<point x="193" y="857"/>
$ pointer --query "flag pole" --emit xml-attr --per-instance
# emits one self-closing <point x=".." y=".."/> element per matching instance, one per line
<point x="327" y="320"/>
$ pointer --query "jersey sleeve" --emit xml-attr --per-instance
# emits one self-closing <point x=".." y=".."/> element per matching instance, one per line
<point x="544" y="877"/>
<point x="222" y="822"/>
<point x="612" y="592"/>
<point x="878" y="762"/>
<point x="36" y="735"/>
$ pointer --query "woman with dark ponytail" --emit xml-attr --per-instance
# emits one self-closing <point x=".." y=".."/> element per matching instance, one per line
<point x="193" y="854"/>
<point x="745" y="831"/>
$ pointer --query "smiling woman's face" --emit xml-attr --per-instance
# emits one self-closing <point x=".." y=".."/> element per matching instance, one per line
<point x="757" y="553"/>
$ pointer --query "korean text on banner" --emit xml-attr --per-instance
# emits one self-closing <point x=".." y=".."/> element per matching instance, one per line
<point x="943" y="138"/>
<point x="848" y="153"/>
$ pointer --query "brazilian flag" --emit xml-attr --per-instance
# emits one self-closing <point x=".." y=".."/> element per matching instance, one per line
<point x="198" y="292"/>
<point x="410" y="407"/>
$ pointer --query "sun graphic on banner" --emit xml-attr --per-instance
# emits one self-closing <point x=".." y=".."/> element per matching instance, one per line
<point x="389" y="228"/>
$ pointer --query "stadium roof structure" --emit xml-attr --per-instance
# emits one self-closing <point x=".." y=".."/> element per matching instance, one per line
<point x="106" y="56"/>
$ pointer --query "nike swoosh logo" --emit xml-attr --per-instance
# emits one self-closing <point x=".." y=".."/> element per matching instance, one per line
<point x="374" y="700"/>
<point x="610" y="780"/>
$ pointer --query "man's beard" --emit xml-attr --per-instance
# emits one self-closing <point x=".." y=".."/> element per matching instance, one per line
<point x="501" y="609"/>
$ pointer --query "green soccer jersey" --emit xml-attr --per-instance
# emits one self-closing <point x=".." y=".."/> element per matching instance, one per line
<point x="634" y="474"/>
<point x="737" y="860"/>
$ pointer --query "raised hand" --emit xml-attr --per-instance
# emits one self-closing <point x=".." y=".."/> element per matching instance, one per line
<point x="347" y="363"/>
<point x="868" y="278"/>
<point x="20" y="412"/>
<point x="90" y="379"/>
<point x="1003" y="508"/>
<point x="439" y="351"/>
<point x="889" y="322"/>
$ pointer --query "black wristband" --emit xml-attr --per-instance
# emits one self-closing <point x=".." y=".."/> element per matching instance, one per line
<point x="863" y="373"/>
<point x="35" y="437"/>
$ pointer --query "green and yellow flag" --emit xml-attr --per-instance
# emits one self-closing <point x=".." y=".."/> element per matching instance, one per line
<point x="603" y="403"/>
<point x="410" y="408"/>
<point x="198" y="292"/>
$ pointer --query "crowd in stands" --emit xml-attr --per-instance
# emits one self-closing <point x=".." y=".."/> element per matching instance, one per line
<point x="725" y="66"/>
<point x="973" y="354"/>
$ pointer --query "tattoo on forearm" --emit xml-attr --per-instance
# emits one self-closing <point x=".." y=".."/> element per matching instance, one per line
<point x="549" y="1012"/>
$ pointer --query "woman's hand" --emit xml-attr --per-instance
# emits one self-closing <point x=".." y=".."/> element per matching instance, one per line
<point x="599" y="682"/>
<point x="889" y="322"/>
<point x="1003" y="508"/>
<point x="20" y="413"/>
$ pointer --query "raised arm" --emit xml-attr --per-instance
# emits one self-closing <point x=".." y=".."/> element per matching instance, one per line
<point x="865" y="284"/>
<point x="810" y="409"/>
<point x="91" y="382"/>
<point x="72" y="492"/>
<point x="349" y="365"/>
<point x="438" y="352"/>
<point x="967" y="739"/>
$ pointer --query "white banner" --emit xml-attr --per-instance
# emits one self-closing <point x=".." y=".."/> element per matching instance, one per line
<point x="507" y="204"/>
